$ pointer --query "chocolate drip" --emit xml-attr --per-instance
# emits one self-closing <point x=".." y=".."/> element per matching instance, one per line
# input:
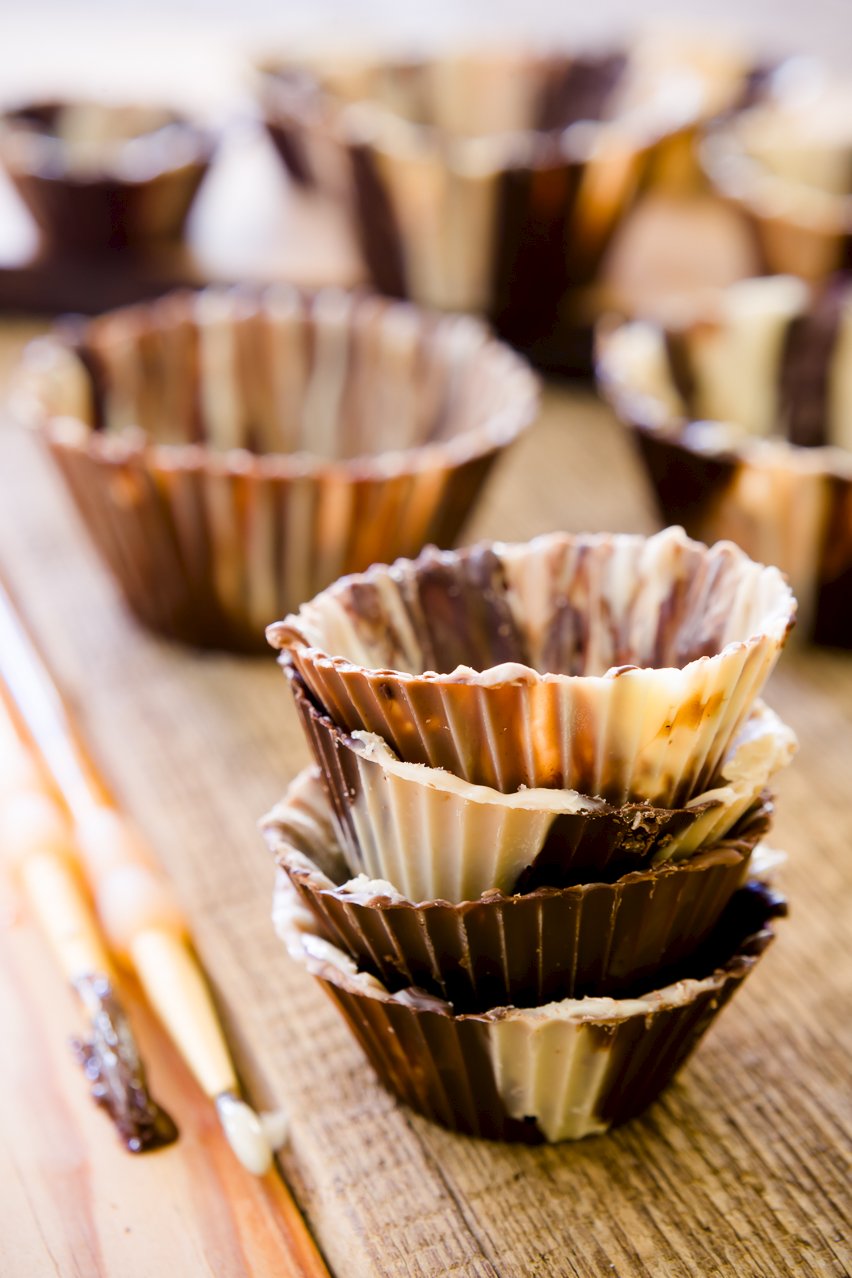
<point x="531" y="270"/>
<point x="381" y="242"/>
<point x="540" y="267"/>
<point x="579" y="89"/>
<point x="43" y="115"/>
<point x="685" y="482"/>
<point x="805" y="374"/>
<point x="111" y="1062"/>
<point x="365" y="606"/>
<point x="288" y="144"/>
<point x="466" y="617"/>
<point x="680" y="366"/>
<point x="832" y="624"/>
<point x="756" y="84"/>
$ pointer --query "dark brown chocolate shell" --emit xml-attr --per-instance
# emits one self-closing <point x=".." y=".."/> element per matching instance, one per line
<point x="434" y="836"/>
<point x="556" y="1072"/>
<point x="105" y="210"/>
<point x="595" y="939"/>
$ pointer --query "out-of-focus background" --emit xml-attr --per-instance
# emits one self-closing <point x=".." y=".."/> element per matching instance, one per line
<point x="193" y="49"/>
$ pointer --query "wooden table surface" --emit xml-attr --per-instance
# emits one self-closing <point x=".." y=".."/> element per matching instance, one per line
<point x="742" y="1168"/>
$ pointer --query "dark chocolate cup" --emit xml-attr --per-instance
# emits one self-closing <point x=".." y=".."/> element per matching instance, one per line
<point x="763" y="470"/>
<point x="104" y="209"/>
<point x="560" y="1071"/>
<point x="232" y="451"/>
<point x="436" y="837"/>
<point x="593" y="939"/>
<point x="507" y="213"/>
<point x="531" y="665"/>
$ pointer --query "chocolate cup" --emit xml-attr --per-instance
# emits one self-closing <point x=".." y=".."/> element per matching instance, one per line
<point x="102" y="211"/>
<point x="598" y="938"/>
<point x="781" y="488"/>
<point x="436" y="837"/>
<point x="182" y="429"/>
<point x="507" y="215"/>
<point x="560" y="1071"/>
<point x="644" y="692"/>
<point x="800" y="228"/>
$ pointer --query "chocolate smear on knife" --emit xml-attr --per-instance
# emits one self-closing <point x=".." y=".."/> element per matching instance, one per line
<point x="111" y="1062"/>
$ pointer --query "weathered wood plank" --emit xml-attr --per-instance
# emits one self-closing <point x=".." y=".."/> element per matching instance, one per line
<point x="73" y="1201"/>
<point x="741" y="1169"/>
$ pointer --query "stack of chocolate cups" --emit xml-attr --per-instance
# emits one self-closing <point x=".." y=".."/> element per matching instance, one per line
<point x="527" y="863"/>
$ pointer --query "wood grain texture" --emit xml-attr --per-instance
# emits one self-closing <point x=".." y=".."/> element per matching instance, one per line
<point x="73" y="1202"/>
<point x="742" y="1168"/>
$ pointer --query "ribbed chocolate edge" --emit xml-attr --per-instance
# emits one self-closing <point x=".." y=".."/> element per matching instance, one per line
<point x="478" y="728"/>
<point x="440" y="1065"/>
<point x="607" y="841"/>
<point x="155" y="524"/>
<point x="144" y="540"/>
<point x="599" y="939"/>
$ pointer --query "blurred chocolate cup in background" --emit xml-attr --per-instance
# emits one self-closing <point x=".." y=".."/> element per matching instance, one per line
<point x="98" y="177"/>
<point x="622" y="667"/>
<point x="786" y="163"/>
<point x="494" y="182"/>
<point x="742" y="413"/>
<point x="437" y="837"/>
<point x="232" y="451"/>
<point x="559" y="1071"/>
<point x="596" y="938"/>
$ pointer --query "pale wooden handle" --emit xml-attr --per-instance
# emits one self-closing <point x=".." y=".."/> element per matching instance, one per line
<point x="35" y="841"/>
<point x="59" y="902"/>
<point x="175" y="987"/>
<point x="131" y="891"/>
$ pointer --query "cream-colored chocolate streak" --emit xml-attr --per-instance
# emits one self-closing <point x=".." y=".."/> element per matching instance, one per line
<point x="461" y="148"/>
<point x="561" y="1066"/>
<point x="621" y="667"/>
<point x="787" y="161"/>
<point x="434" y="836"/>
<point x="778" y="500"/>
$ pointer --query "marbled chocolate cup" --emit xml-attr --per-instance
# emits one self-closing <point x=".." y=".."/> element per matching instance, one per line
<point x="618" y="666"/>
<point x="232" y="451"/>
<point x="487" y="182"/>
<point x="742" y="417"/>
<point x="437" y="837"/>
<point x="786" y="163"/>
<point x="98" y="177"/>
<point x="596" y="938"/>
<point x="560" y="1071"/>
